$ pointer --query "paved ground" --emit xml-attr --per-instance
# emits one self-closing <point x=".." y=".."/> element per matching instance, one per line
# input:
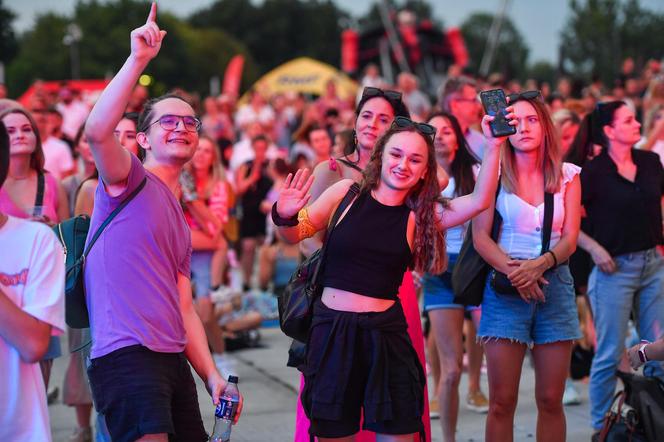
<point x="269" y="388"/>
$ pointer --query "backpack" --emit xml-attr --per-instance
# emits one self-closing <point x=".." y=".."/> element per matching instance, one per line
<point x="72" y="234"/>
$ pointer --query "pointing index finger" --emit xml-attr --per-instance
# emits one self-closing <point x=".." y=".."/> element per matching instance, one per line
<point x="152" y="16"/>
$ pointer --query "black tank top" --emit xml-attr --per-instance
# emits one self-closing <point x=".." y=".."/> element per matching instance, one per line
<point x="368" y="252"/>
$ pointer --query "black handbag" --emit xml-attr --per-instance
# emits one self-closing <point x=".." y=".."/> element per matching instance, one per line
<point x="499" y="281"/>
<point x="621" y="422"/>
<point x="296" y="302"/>
<point x="470" y="270"/>
<point x="72" y="234"/>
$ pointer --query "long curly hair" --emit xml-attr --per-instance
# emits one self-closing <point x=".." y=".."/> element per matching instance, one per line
<point x="429" y="244"/>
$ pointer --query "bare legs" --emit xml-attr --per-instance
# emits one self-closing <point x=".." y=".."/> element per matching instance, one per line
<point x="505" y="359"/>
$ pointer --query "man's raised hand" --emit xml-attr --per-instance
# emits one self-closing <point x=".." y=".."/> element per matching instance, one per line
<point x="146" y="40"/>
<point x="294" y="194"/>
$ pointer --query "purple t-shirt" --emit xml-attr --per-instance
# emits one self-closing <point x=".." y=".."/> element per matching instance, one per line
<point x="132" y="270"/>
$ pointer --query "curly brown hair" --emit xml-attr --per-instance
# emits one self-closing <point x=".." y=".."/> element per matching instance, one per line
<point x="429" y="253"/>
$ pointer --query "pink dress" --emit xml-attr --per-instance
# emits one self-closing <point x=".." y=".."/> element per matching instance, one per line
<point x="50" y="204"/>
<point x="411" y="310"/>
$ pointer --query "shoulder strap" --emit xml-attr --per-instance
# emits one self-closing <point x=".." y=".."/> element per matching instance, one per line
<point x="349" y="164"/>
<point x="497" y="218"/>
<point x="548" y="221"/>
<point x="39" y="199"/>
<point x="110" y="217"/>
<point x="350" y="195"/>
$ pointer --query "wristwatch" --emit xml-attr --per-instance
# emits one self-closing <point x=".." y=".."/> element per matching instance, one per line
<point x="642" y="353"/>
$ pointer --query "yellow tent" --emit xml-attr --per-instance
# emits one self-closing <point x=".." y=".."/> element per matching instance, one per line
<point x="305" y="75"/>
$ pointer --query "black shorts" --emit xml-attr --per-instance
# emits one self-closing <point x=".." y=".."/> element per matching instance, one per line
<point x="362" y="364"/>
<point x="141" y="392"/>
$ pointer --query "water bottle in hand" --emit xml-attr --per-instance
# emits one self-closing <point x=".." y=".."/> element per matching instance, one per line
<point x="225" y="412"/>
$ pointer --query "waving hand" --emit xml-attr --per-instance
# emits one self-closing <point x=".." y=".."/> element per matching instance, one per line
<point x="294" y="194"/>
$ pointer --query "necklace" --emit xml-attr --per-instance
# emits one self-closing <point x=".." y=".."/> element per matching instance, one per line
<point x="19" y="178"/>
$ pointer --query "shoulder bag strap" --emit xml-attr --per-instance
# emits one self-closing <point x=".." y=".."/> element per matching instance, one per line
<point x="110" y="217"/>
<point x="348" y="198"/>
<point x="497" y="218"/>
<point x="548" y="222"/>
<point x="39" y="199"/>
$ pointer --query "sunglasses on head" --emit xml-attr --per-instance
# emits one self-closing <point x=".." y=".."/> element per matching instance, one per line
<point x="378" y="92"/>
<point x="527" y="95"/>
<point x="406" y="123"/>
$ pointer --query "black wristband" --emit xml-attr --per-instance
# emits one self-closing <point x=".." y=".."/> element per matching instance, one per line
<point x="555" y="261"/>
<point x="283" y="222"/>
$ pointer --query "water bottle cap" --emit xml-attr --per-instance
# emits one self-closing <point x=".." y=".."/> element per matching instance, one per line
<point x="233" y="379"/>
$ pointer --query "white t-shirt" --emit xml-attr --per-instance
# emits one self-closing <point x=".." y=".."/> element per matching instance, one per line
<point x="243" y="152"/>
<point x="521" y="231"/>
<point x="57" y="156"/>
<point x="32" y="276"/>
<point x="477" y="143"/>
<point x="247" y="114"/>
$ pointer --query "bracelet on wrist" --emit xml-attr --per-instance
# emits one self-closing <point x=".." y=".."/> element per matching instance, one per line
<point x="283" y="222"/>
<point x="555" y="260"/>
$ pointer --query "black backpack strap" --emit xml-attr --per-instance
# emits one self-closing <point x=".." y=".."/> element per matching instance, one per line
<point x="39" y="199"/>
<point x="348" y="198"/>
<point x="548" y="222"/>
<point x="110" y="217"/>
<point x="497" y="218"/>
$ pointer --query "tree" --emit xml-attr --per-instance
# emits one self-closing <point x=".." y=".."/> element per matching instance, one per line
<point x="8" y="44"/>
<point x="511" y="54"/>
<point x="542" y="71"/>
<point x="601" y="33"/>
<point x="275" y="31"/>
<point x="188" y="58"/>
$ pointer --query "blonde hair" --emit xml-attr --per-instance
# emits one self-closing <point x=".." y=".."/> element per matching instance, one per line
<point x="216" y="170"/>
<point x="548" y="154"/>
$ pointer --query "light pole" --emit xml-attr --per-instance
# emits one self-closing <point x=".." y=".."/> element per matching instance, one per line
<point x="71" y="39"/>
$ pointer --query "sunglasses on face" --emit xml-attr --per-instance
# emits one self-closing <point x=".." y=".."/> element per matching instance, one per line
<point x="377" y="92"/>
<point x="170" y="122"/>
<point x="527" y="95"/>
<point x="406" y="123"/>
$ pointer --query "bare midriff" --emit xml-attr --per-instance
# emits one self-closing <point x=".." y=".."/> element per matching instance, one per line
<point x="345" y="301"/>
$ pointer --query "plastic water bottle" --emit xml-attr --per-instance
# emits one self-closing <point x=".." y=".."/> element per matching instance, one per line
<point x="225" y="412"/>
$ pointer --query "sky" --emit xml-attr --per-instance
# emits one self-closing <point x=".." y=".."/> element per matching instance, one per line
<point x="539" y="21"/>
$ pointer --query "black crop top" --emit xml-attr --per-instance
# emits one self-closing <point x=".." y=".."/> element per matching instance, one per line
<point x="368" y="252"/>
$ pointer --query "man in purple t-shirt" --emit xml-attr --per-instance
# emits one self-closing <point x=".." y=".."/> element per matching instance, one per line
<point x="143" y="323"/>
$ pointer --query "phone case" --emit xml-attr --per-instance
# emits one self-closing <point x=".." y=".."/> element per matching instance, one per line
<point x="494" y="103"/>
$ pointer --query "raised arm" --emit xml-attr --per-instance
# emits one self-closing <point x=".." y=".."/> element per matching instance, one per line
<point x="112" y="160"/>
<point x="468" y="206"/>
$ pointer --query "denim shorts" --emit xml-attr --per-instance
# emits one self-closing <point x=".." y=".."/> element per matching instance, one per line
<point x="201" y="273"/>
<point x="438" y="293"/>
<point x="532" y="323"/>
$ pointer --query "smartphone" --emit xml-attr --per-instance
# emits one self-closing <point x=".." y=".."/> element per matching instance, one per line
<point x="494" y="103"/>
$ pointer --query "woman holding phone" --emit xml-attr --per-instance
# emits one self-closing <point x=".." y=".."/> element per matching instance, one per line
<point x="542" y="314"/>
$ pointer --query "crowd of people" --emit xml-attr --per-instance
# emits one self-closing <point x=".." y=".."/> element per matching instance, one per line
<point x="228" y="203"/>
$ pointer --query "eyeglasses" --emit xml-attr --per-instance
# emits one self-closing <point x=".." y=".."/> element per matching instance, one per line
<point x="406" y="123"/>
<point x="378" y="92"/>
<point x="170" y="122"/>
<point x="527" y="95"/>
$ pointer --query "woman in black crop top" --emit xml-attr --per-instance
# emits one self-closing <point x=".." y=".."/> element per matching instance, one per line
<point x="359" y="353"/>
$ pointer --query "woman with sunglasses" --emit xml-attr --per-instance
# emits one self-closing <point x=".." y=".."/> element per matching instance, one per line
<point x="360" y="357"/>
<point x="541" y="314"/>
<point x="446" y="345"/>
<point x="375" y="112"/>
<point x="622" y="194"/>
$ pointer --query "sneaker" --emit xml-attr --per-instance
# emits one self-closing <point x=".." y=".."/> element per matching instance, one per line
<point x="571" y="395"/>
<point x="221" y="294"/>
<point x="434" y="411"/>
<point x="81" y="434"/>
<point x="476" y="401"/>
